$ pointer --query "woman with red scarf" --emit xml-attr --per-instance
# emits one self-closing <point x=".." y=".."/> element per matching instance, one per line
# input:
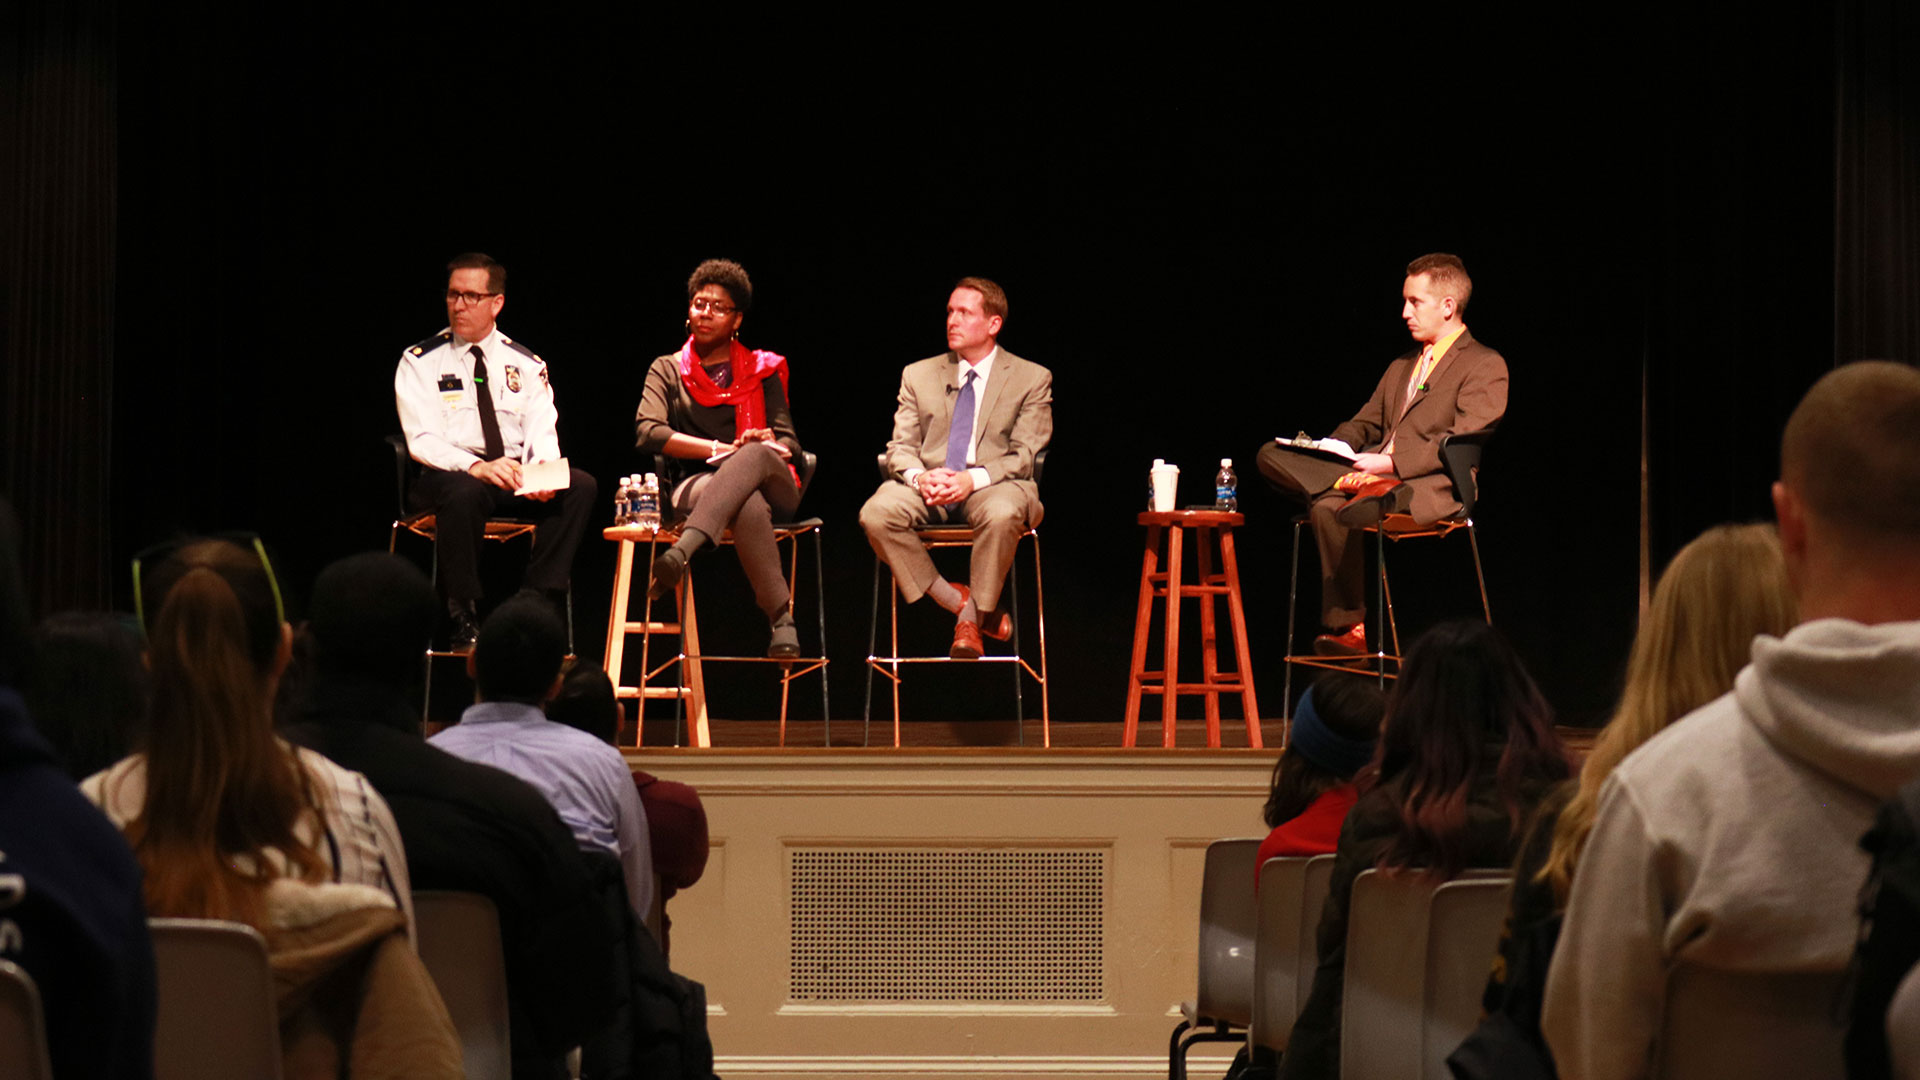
<point x="719" y="409"/>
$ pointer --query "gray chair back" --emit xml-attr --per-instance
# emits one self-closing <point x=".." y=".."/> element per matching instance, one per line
<point x="1292" y="891"/>
<point x="460" y="947"/>
<point x="23" y="1028"/>
<point x="1228" y="920"/>
<point x="218" y="1017"/>
<point x="1745" y="1024"/>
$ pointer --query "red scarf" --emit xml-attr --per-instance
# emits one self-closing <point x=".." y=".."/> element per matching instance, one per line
<point x="744" y="394"/>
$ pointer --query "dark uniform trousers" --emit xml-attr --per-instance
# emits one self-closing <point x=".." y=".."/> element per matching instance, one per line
<point x="463" y="505"/>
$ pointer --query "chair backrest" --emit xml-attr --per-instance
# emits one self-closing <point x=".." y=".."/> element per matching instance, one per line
<point x="1746" y="1024"/>
<point x="218" y="1017"/>
<point x="404" y="470"/>
<point x="460" y="947"/>
<point x="23" y="1028"/>
<point x="1390" y="934"/>
<point x="1228" y="921"/>
<point x="1464" y="919"/>
<point x="1903" y="1028"/>
<point x="1292" y="892"/>
<point x="1460" y="456"/>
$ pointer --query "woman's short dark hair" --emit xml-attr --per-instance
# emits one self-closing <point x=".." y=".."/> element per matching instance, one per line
<point x="1351" y="707"/>
<point x="727" y="274"/>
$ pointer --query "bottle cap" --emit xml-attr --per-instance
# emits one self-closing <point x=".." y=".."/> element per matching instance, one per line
<point x="1226" y="463"/>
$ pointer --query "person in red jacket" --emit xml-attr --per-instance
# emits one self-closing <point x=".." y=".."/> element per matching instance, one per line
<point x="1334" y="729"/>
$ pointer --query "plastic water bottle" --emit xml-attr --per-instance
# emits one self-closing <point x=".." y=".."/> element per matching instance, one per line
<point x="623" y="502"/>
<point x="1226" y="487"/>
<point x="647" y="512"/>
<point x="1157" y="462"/>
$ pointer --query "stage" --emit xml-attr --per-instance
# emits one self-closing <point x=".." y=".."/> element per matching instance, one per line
<point x="952" y="912"/>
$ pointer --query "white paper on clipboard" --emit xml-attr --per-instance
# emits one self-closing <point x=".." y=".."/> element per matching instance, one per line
<point x="545" y="476"/>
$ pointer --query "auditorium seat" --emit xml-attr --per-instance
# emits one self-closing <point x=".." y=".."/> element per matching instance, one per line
<point x="1293" y="889"/>
<point x="218" y="1018"/>
<point x="1223" y="1003"/>
<point x="1418" y="955"/>
<point x="1726" y="1024"/>
<point x="23" y="1029"/>
<point x="459" y="941"/>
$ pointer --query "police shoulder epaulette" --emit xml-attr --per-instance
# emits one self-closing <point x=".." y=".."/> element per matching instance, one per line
<point x="521" y="349"/>
<point x="432" y="343"/>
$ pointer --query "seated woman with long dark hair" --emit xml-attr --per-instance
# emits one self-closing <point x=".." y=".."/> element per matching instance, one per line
<point x="1466" y="751"/>
<point x="717" y="397"/>
<point x="229" y="822"/>
<point x="1335" y="727"/>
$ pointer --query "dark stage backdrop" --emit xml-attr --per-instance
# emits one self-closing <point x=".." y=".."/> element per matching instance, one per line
<point x="1203" y="239"/>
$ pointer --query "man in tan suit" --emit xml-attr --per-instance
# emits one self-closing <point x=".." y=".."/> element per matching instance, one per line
<point x="1450" y="384"/>
<point x="966" y="431"/>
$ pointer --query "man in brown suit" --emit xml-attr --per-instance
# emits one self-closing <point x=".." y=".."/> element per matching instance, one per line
<point x="965" y="433"/>
<point x="1450" y="385"/>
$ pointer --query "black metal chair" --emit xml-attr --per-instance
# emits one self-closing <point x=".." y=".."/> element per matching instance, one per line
<point x="688" y="690"/>
<point x="943" y="535"/>
<point x="425" y="523"/>
<point x="1460" y="457"/>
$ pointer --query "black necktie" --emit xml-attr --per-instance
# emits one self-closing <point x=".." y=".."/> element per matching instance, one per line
<point x="489" y="423"/>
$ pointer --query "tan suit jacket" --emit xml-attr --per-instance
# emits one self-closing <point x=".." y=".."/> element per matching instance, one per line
<point x="1016" y="410"/>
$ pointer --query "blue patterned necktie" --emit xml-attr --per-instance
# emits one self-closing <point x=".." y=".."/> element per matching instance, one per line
<point x="961" y="434"/>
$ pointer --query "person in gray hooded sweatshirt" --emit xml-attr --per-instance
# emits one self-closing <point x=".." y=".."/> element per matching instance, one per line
<point x="1726" y="848"/>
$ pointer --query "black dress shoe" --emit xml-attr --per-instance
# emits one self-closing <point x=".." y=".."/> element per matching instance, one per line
<point x="466" y="630"/>
<point x="666" y="573"/>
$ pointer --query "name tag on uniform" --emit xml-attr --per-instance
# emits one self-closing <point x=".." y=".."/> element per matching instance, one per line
<point x="449" y="382"/>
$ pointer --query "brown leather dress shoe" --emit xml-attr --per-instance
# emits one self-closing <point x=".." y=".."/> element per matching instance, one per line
<point x="1350" y="642"/>
<point x="966" y="642"/>
<point x="1373" y="501"/>
<point x="997" y="625"/>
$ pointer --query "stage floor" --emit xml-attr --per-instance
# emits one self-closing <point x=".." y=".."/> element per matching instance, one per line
<point x="974" y="734"/>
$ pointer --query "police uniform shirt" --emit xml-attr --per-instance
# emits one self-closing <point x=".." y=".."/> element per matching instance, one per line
<point x="440" y="413"/>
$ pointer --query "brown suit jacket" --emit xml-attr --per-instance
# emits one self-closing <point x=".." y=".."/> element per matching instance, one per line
<point x="1016" y="407"/>
<point x="1466" y="392"/>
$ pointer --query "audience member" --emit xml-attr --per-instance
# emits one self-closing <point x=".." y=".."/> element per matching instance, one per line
<point x="467" y="827"/>
<point x="230" y="823"/>
<point x="1729" y="843"/>
<point x="71" y="913"/>
<point x="516" y="666"/>
<point x="676" y="821"/>
<point x="1719" y="591"/>
<point x="1334" y="730"/>
<point x="89" y="697"/>
<point x="1466" y="750"/>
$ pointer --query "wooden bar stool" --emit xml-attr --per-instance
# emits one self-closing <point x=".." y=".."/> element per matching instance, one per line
<point x="1167" y="583"/>
<point x="689" y="687"/>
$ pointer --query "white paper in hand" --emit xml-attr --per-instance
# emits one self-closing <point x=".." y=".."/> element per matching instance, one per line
<point x="544" y="476"/>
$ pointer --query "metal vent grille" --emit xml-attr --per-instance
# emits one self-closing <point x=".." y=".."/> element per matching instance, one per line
<point x="947" y="925"/>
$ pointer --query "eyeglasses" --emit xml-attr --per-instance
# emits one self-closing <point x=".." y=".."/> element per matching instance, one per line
<point x="160" y="552"/>
<point x="702" y="305"/>
<point x="471" y="299"/>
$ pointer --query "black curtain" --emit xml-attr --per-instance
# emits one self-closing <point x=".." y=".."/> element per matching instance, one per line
<point x="57" y="210"/>
<point x="1876" y="256"/>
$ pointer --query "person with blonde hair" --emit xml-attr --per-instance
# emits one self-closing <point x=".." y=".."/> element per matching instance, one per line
<point x="1724" y="587"/>
<point x="229" y="822"/>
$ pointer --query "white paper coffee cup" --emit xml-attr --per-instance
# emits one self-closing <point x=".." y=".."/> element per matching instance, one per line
<point x="1166" y="486"/>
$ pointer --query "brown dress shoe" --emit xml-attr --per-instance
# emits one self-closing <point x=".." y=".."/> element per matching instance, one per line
<point x="966" y="642"/>
<point x="1350" y="642"/>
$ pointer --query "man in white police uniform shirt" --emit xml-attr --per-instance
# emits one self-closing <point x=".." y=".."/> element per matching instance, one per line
<point x="476" y="405"/>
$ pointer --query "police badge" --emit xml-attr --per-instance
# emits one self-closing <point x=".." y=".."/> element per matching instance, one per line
<point x="513" y="379"/>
